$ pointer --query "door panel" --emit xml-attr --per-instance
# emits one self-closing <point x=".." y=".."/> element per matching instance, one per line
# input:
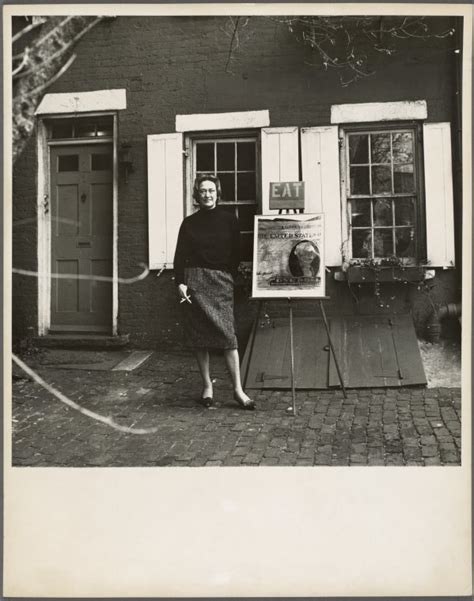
<point x="99" y="290"/>
<point x="67" y="290"/>
<point x="101" y="216"/>
<point x="66" y="209"/>
<point x="376" y="350"/>
<point x="268" y="367"/>
<point x="81" y="237"/>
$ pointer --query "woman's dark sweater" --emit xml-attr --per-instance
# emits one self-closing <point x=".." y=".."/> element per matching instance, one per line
<point x="207" y="238"/>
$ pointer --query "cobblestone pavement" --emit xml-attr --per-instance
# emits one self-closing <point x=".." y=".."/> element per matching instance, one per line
<point x="408" y="426"/>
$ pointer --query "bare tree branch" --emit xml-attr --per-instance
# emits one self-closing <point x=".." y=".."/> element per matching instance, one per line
<point x="24" y="61"/>
<point x="55" y="77"/>
<point x="54" y="31"/>
<point x="347" y="43"/>
<point x="27" y="29"/>
<point x="42" y="63"/>
<point x="232" y="41"/>
<point x="61" y="51"/>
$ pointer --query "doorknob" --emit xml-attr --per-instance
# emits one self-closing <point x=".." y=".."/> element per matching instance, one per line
<point x="83" y="197"/>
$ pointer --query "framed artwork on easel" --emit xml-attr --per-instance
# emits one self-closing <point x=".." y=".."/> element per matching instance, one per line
<point x="288" y="256"/>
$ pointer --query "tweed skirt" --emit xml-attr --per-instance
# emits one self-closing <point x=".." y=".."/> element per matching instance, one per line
<point x="209" y="320"/>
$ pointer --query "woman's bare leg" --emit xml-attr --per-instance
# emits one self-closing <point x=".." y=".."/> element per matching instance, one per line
<point x="232" y="360"/>
<point x="202" y="358"/>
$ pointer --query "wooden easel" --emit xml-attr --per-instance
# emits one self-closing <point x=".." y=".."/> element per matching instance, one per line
<point x="296" y="205"/>
<point x="253" y="335"/>
<point x="287" y="211"/>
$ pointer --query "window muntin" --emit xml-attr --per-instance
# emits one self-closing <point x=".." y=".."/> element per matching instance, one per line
<point x="234" y="162"/>
<point x="383" y="194"/>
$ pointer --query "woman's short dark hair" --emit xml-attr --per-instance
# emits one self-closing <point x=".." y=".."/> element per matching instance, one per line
<point x="206" y="177"/>
<point x="294" y="264"/>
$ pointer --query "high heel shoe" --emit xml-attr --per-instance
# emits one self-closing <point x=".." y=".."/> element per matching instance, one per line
<point x="249" y="405"/>
<point x="207" y="401"/>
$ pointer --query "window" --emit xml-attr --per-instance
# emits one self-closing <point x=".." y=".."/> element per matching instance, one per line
<point x="383" y="193"/>
<point x="234" y="162"/>
<point x="80" y="127"/>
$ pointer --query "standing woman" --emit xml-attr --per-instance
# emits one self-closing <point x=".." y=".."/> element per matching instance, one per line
<point x="206" y="259"/>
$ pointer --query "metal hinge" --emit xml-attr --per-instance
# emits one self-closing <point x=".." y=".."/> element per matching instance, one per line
<point x="262" y="377"/>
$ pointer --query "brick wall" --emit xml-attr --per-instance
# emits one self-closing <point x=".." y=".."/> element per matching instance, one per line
<point x="24" y="245"/>
<point x="180" y="65"/>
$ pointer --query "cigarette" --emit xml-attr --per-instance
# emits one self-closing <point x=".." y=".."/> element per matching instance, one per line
<point x="183" y="300"/>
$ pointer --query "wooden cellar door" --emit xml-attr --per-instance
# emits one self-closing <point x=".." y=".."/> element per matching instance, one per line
<point x="372" y="350"/>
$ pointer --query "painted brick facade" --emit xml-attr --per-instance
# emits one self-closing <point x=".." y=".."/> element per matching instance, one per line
<point x="181" y="65"/>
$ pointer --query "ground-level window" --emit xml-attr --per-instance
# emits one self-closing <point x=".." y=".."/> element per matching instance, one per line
<point x="383" y="193"/>
<point x="234" y="161"/>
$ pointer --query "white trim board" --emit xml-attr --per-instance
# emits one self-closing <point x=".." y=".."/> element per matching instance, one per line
<point x="379" y="111"/>
<point x="215" y="121"/>
<point x="83" y="102"/>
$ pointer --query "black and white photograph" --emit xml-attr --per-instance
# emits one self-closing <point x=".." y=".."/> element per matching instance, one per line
<point x="238" y="241"/>
<point x="143" y="148"/>
<point x="288" y="257"/>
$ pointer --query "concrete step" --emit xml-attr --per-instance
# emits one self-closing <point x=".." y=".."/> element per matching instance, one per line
<point x="82" y="341"/>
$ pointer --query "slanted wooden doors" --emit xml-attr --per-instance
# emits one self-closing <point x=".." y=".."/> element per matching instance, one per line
<point x="81" y="237"/>
<point x="372" y="351"/>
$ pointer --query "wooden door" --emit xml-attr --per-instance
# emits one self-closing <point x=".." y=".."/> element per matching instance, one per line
<point x="269" y="366"/>
<point x="375" y="351"/>
<point x="81" y="237"/>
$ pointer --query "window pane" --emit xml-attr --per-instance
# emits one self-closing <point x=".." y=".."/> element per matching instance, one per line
<point x="360" y="213"/>
<point x="383" y="243"/>
<point x="225" y="156"/>
<point x="383" y="212"/>
<point x="246" y="247"/>
<point x="104" y="127"/>
<point x="359" y="148"/>
<point x="228" y="186"/>
<point x="405" y="242"/>
<point x="232" y="209"/>
<point x="382" y="168"/>
<point x="380" y="148"/>
<point x="246" y="217"/>
<point x="381" y="179"/>
<point x="205" y="157"/>
<point x="101" y="162"/>
<point x="246" y="156"/>
<point x="83" y="128"/>
<point x="246" y="186"/>
<point x="68" y="162"/>
<point x="360" y="180"/>
<point x="402" y="147"/>
<point x="361" y="244"/>
<point x="62" y="129"/>
<point x="405" y="211"/>
<point x="403" y="178"/>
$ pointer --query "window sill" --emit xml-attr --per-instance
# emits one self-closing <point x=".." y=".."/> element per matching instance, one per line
<point x="359" y="274"/>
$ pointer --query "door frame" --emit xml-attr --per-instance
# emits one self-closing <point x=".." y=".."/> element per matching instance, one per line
<point x="44" y="216"/>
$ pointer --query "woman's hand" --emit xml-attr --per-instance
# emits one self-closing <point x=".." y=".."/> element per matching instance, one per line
<point x="183" y="293"/>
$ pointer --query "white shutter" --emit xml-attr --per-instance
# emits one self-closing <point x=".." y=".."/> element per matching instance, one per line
<point x="165" y="197"/>
<point x="438" y="194"/>
<point x="279" y="159"/>
<point x="320" y="166"/>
